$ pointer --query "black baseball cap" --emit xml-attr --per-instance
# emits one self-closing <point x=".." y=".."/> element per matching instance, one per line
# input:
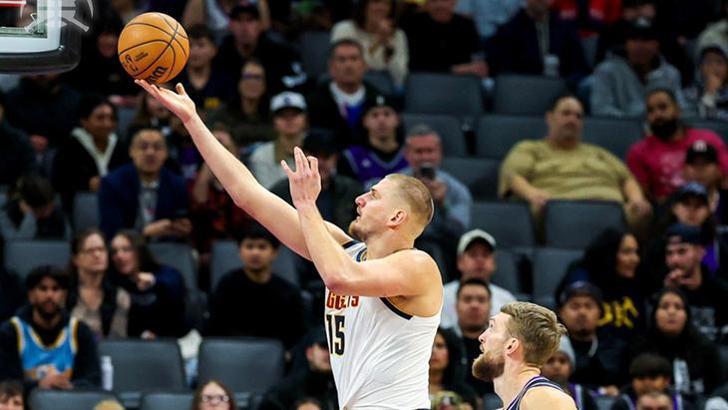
<point x="692" y="190"/>
<point x="580" y="288"/>
<point x="701" y="150"/>
<point x="642" y="29"/>
<point x="680" y="233"/>
<point x="245" y="8"/>
<point x="380" y="100"/>
<point x="320" y="142"/>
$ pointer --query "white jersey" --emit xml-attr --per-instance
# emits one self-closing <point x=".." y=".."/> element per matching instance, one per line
<point x="379" y="354"/>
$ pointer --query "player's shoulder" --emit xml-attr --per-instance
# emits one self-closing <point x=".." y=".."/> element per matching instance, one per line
<point x="418" y="262"/>
<point x="547" y="397"/>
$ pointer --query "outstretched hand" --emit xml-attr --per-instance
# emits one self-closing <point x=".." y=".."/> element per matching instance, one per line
<point x="179" y="103"/>
<point x="305" y="181"/>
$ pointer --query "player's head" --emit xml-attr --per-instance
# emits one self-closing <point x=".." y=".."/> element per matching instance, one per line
<point x="522" y="333"/>
<point x="396" y="203"/>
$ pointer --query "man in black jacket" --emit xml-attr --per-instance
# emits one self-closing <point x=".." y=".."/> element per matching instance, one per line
<point x="42" y="345"/>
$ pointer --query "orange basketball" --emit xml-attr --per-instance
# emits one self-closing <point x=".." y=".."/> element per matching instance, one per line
<point x="153" y="47"/>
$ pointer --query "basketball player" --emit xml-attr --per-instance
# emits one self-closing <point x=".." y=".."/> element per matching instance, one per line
<point x="383" y="297"/>
<point x="517" y="342"/>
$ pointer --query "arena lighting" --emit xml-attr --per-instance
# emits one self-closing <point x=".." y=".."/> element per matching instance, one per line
<point x="40" y="36"/>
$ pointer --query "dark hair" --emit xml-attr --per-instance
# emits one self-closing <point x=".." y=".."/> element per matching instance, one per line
<point x="257" y="231"/>
<point x="35" y="190"/>
<point x="306" y="400"/>
<point x="600" y="257"/>
<point x="197" y="399"/>
<point x="689" y="329"/>
<point x="454" y="373"/>
<point x="78" y="240"/>
<point x="199" y="32"/>
<point x="476" y="282"/>
<point x="36" y="276"/>
<point x="555" y="102"/>
<point x="90" y="102"/>
<point x="10" y="388"/>
<point x="344" y="42"/>
<point x="655" y="90"/>
<point x="145" y="260"/>
<point x="650" y="365"/>
<point x="360" y="12"/>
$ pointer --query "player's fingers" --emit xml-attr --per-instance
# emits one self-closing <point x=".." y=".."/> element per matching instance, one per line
<point x="300" y="167"/>
<point x="286" y="169"/>
<point x="313" y="163"/>
<point x="181" y="89"/>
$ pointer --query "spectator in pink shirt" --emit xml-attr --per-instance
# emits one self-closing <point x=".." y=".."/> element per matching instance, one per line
<point x="657" y="161"/>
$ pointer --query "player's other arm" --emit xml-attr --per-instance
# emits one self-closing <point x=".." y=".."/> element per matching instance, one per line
<point x="272" y="212"/>
<point x="547" y="398"/>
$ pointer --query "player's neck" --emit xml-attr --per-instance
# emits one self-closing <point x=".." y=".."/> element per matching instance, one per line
<point x="514" y="377"/>
<point x="385" y="245"/>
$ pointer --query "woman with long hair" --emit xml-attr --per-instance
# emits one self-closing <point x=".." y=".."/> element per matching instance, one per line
<point x="93" y="297"/>
<point x="448" y="367"/>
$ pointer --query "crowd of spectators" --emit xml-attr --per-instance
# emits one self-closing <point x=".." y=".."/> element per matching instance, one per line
<point x="644" y="305"/>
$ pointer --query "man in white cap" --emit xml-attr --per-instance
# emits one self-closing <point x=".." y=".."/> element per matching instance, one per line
<point x="475" y="259"/>
<point x="290" y="122"/>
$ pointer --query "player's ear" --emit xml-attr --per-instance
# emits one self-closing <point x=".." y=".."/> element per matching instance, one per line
<point x="512" y="345"/>
<point x="398" y="217"/>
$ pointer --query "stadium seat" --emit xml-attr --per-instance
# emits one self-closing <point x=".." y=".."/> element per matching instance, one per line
<point x="141" y="365"/>
<point x="3" y="198"/>
<point x="549" y="267"/>
<point x="604" y="402"/>
<point x="479" y="175"/>
<point x="226" y="257"/>
<point x="497" y="134"/>
<point x="178" y="256"/>
<point x="525" y="94"/>
<point x="41" y="399"/>
<point x="573" y="224"/>
<point x="508" y="222"/>
<point x="85" y="211"/>
<point x="245" y="365"/>
<point x="614" y="135"/>
<point x="506" y="274"/>
<point x="456" y="95"/>
<point x="447" y="127"/>
<point x="719" y="127"/>
<point x="381" y="80"/>
<point x="314" y="52"/>
<point x="166" y="401"/>
<point x="22" y="256"/>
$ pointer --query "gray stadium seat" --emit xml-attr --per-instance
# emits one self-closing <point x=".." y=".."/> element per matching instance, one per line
<point x="41" y="399"/>
<point x="719" y="127"/>
<point x="381" y="80"/>
<point x="573" y="224"/>
<point x="178" y="256"/>
<point x="141" y="365"/>
<point x="166" y="401"/>
<point x="525" y="94"/>
<point x="451" y="94"/>
<point x="497" y="134"/>
<point x="22" y="256"/>
<point x="614" y="135"/>
<point x="85" y="211"/>
<point x="250" y="365"/>
<point x="447" y="127"/>
<point x="226" y="257"/>
<point x="480" y="175"/>
<point x="508" y="222"/>
<point x="549" y="267"/>
<point x="314" y="52"/>
<point x="506" y="274"/>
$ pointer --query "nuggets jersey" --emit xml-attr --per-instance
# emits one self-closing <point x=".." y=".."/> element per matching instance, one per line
<point x="379" y="354"/>
<point x="38" y="359"/>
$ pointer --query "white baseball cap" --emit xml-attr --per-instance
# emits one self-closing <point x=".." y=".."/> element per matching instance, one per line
<point x="470" y="236"/>
<point x="287" y="99"/>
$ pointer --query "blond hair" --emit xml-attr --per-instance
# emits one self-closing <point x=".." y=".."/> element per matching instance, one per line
<point x="537" y="328"/>
<point x="417" y="197"/>
<point x="109" y="405"/>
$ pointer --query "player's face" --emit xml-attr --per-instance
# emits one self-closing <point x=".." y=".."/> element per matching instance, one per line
<point x="557" y="368"/>
<point x="381" y="122"/>
<point x="374" y="208"/>
<point x="123" y="255"/>
<point x="11" y="402"/>
<point x="257" y="254"/>
<point x="148" y="151"/>
<point x="47" y="298"/>
<point x="491" y="363"/>
<point x="477" y="261"/>
<point x="101" y="123"/>
<point x="439" y="359"/>
<point x="671" y="316"/>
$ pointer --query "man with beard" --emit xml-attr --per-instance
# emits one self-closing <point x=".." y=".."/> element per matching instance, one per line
<point x="561" y="166"/>
<point x="43" y="345"/>
<point x="657" y="161"/>
<point x="383" y="296"/>
<point x="252" y="301"/>
<point x="515" y="346"/>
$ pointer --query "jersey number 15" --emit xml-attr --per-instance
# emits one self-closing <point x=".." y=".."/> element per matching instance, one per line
<point x="335" y="331"/>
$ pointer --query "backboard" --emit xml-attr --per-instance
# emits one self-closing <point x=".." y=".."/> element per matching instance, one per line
<point x="38" y="36"/>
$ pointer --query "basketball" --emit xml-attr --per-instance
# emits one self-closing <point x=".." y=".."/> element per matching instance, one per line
<point x="153" y="47"/>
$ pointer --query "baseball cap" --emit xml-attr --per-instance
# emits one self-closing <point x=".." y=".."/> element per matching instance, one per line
<point x="476" y="234"/>
<point x="379" y="100"/>
<point x="580" y="288"/>
<point x="701" y="150"/>
<point x="320" y="142"/>
<point x="692" y="190"/>
<point x="642" y="28"/>
<point x="287" y="99"/>
<point x="245" y="8"/>
<point x="567" y="349"/>
<point x="680" y="233"/>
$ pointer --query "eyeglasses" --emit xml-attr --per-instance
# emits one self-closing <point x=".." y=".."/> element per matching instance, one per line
<point x="258" y="77"/>
<point x="215" y="399"/>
